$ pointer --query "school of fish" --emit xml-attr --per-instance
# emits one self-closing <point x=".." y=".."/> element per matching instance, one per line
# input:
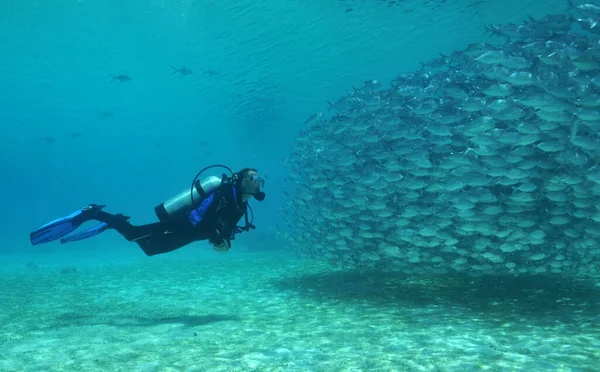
<point x="485" y="161"/>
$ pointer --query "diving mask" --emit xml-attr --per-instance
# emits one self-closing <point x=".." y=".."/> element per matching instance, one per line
<point x="258" y="181"/>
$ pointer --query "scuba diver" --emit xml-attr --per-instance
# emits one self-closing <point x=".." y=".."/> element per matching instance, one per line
<point x="209" y="210"/>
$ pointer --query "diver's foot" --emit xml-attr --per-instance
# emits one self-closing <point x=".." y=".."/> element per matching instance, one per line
<point x="90" y="211"/>
<point x="124" y="217"/>
<point x="95" y="207"/>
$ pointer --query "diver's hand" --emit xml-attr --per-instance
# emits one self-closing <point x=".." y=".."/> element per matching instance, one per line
<point x="223" y="247"/>
<point x="219" y="243"/>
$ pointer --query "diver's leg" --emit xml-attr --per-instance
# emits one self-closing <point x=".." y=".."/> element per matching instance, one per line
<point x="130" y="232"/>
<point x="153" y="238"/>
<point x="164" y="241"/>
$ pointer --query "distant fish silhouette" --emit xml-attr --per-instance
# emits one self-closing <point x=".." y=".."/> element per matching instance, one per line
<point x="183" y="71"/>
<point x="68" y="270"/>
<point x="120" y="78"/>
<point x="105" y="114"/>
<point x="211" y="72"/>
<point x="48" y="139"/>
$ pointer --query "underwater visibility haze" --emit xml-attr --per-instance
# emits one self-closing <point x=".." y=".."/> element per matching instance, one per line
<point x="408" y="185"/>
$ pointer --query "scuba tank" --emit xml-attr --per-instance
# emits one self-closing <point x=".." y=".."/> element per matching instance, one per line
<point x="180" y="205"/>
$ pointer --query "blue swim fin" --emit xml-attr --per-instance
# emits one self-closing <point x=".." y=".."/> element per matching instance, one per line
<point x="60" y="227"/>
<point x="92" y="231"/>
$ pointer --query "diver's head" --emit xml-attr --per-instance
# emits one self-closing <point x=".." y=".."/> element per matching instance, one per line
<point x="250" y="184"/>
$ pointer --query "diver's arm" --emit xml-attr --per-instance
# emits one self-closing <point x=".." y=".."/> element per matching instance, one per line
<point x="216" y="237"/>
<point x="222" y="230"/>
<point x="220" y="234"/>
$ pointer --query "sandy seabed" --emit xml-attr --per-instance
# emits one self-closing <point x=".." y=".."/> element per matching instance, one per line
<point x="270" y="312"/>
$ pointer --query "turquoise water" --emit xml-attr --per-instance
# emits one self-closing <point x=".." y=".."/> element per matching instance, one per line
<point x="70" y="137"/>
<point x="279" y="63"/>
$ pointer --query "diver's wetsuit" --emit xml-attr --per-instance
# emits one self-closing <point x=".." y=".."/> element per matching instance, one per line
<point x="215" y="219"/>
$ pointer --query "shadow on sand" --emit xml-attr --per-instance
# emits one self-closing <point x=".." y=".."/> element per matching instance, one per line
<point x="543" y="300"/>
<point x="185" y="321"/>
